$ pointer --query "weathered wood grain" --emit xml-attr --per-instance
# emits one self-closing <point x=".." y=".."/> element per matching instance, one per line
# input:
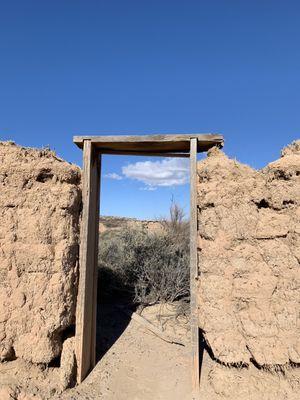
<point x="194" y="270"/>
<point x="87" y="288"/>
<point x="151" y="143"/>
<point x="143" y="153"/>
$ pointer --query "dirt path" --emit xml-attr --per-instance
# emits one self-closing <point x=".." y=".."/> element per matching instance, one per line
<point x="134" y="364"/>
<point x="137" y="366"/>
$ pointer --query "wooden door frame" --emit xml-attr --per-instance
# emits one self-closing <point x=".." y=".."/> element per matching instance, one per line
<point x="86" y="310"/>
<point x="195" y="365"/>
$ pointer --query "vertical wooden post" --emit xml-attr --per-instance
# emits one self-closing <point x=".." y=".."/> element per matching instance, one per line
<point x="85" y="337"/>
<point x="194" y="271"/>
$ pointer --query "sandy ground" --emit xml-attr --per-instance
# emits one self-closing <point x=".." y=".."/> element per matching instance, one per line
<point x="132" y="364"/>
<point x="136" y="365"/>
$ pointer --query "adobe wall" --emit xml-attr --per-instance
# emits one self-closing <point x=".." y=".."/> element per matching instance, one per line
<point x="248" y="252"/>
<point x="40" y="200"/>
<point x="248" y="258"/>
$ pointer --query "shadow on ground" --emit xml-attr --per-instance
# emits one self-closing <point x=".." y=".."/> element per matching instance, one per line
<point x="111" y="320"/>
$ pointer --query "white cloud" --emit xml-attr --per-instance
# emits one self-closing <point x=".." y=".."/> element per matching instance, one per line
<point x="149" y="188"/>
<point x="113" y="175"/>
<point x="166" y="172"/>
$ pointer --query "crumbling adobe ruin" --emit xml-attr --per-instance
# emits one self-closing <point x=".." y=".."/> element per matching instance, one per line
<point x="40" y="201"/>
<point x="249" y="286"/>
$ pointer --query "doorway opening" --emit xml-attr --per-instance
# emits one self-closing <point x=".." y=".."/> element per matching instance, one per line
<point x="86" y="314"/>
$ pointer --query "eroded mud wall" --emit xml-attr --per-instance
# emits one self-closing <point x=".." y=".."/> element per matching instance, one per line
<point x="249" y="286"/>
<point x="248" y="258"/>
<point x="40" y="201"/>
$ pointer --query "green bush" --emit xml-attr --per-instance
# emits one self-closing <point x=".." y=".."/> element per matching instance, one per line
<point x="151" y="266"/>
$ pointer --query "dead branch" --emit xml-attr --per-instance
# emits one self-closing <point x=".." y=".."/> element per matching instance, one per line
<point x="152" y="328"/>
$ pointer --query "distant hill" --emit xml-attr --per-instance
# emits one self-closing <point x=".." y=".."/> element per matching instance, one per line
<point x="118" y="223"/>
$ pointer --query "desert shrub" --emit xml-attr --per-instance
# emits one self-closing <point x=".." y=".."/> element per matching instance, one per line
<point x="152" y="266"/>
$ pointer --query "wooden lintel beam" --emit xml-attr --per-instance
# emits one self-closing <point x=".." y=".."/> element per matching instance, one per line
<point x="143" y="154"/>
<point x="201" y="137"/>
<point x="151" y="143"/>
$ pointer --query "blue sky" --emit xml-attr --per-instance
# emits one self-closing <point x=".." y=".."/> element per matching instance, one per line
<point x="71" y="67"/>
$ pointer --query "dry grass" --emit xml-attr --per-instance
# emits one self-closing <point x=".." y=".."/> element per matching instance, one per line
<point x="152" y="267"/>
